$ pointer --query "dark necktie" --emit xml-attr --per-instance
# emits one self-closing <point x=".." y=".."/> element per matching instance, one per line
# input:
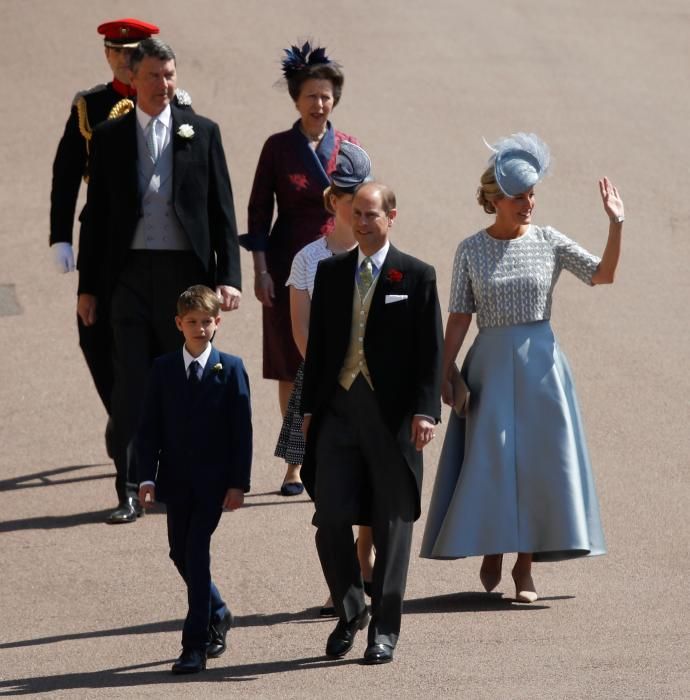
<point x="194" y="368"/>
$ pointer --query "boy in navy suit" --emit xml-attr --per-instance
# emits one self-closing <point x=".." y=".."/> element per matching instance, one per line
<point x="194" y="449"/>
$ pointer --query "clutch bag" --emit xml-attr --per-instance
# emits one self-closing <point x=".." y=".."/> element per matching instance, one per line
<point x="461" y="393"/>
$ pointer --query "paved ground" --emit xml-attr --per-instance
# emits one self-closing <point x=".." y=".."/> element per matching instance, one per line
<point x="94" y="611"/>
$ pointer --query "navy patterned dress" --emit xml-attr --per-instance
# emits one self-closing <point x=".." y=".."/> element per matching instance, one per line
<point x="291" y="176"/>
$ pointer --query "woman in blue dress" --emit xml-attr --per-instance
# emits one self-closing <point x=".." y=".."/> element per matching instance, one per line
<point x="293" y="171"/>
<point x="514" y="475"/>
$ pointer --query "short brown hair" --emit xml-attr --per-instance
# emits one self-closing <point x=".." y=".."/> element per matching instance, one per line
<point x="388" y="201"/>
<point x="198" y="298"/>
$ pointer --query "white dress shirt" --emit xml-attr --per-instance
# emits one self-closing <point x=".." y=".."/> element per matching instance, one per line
<point x="189" y="358"/>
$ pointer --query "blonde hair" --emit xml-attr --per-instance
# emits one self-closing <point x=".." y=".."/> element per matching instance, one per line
<point x="333" y="191"/>
<point x="489" y="191"/>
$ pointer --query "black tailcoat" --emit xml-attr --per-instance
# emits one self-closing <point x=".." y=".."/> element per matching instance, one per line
<point x="202" y="199"/>
<point x="402" y="345"/>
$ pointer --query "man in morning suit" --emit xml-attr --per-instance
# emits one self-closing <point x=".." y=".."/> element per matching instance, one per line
<point x="90" y="108"/>
<point x="370" y="398"/>
<point x="194" y="449"/>
<point x="159" y="218"/>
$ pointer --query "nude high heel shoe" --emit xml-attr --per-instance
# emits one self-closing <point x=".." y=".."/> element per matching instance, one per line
<point x="524" y="589"/>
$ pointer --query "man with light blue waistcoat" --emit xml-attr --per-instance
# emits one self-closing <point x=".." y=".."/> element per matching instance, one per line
<point x="159" y="218"/>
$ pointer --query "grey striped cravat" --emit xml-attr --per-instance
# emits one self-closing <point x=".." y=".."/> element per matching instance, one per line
<point x="152" y="139"/>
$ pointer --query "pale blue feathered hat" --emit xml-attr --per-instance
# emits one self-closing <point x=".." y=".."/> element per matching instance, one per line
<point x="520" y="162"/>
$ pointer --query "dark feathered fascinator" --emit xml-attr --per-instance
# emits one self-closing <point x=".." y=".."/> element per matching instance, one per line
<point x="297" y="59"/>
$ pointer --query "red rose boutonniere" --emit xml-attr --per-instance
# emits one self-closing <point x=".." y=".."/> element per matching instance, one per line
<point x="394" y="275"/>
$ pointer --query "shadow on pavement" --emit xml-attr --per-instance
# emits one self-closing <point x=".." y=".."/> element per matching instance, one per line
<point x="46" y="478"/>
<point x="148" y="628"/>
<point x="451" y="602"/>
<point x="132" y="676"/>
<point x="254" y="494"/>
<point x="249" y="672"/>
<point x="54" y="522"/>
<point x="283" y="502"/>
<point x="159" y="508"/>
<point x="308" y="615"/>
<point x="472" y="602"/>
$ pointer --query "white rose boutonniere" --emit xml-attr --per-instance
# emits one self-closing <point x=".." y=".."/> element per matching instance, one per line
<point x="217" y="368"/>
<point x="186" y="131"/>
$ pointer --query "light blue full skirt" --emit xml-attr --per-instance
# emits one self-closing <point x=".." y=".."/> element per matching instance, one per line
<point x="515" y="475"/>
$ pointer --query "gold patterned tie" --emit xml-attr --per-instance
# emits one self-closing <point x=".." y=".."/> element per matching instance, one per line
<point x="366" y="276"/>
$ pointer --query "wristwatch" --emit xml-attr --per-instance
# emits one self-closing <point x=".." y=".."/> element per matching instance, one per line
<point x="617" y="219"/>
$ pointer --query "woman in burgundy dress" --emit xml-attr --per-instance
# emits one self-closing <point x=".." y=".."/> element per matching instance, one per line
<point x="293" y="171"/>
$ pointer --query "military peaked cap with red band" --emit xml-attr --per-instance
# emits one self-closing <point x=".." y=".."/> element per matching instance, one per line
<point x="126" y="33"/>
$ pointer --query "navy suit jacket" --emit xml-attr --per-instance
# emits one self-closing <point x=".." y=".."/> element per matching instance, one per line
<point x="196" y="438"/>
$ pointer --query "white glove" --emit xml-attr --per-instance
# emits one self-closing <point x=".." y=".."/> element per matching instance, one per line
<point x="63" y="257"/>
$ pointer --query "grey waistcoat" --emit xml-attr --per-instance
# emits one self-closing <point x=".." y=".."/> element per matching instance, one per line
<point x="159" y="227"/>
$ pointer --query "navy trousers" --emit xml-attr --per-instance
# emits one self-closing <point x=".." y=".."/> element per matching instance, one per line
<point x="190" y="526"/>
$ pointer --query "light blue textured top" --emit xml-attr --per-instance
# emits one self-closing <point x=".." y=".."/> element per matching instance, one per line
<point x="511" y="282"/>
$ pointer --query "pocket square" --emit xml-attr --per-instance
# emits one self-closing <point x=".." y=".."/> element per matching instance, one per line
<point x="392" y="298"/>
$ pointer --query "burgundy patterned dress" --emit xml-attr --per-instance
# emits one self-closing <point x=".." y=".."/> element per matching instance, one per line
<point x="293" y="176"/>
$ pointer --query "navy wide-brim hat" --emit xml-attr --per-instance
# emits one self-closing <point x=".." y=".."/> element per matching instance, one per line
<point x="352" y="167"/>
<point x="520" y="162"/>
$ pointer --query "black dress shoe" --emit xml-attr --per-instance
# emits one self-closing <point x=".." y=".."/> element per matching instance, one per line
<point x="190" y="661"/>
<point x="378" y="654"/>
<point x="217" y="633"/>
<point x="341" y="639"/>
<point x="127" y="512"/>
